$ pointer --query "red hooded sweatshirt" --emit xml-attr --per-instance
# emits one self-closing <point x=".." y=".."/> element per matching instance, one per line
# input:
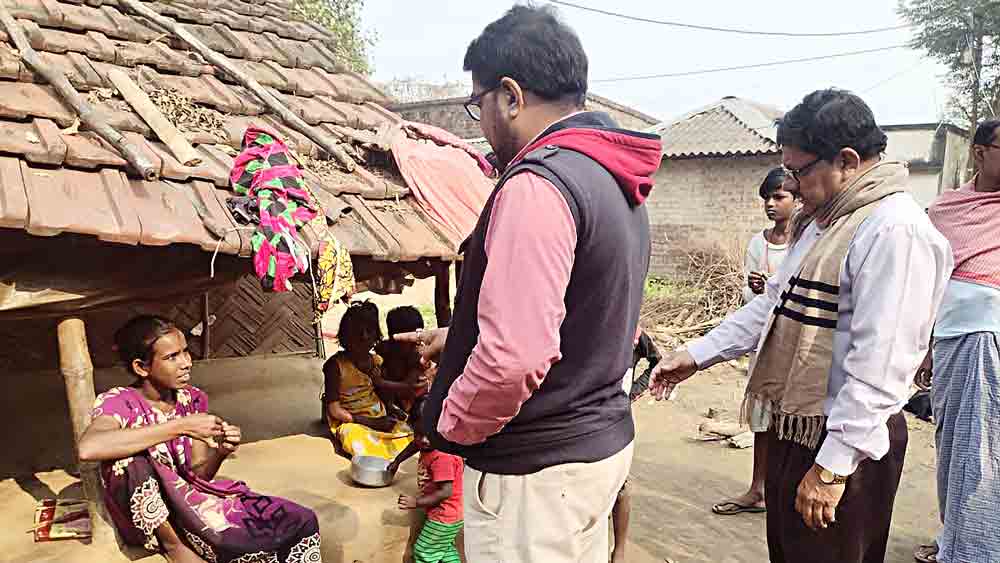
<point x="631" y="157"/>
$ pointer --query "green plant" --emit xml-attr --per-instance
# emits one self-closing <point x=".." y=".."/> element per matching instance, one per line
<point x="352" y="42"/>
<point x="430" y="317"/>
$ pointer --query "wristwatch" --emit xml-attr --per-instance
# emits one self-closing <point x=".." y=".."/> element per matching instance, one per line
<point x="828" y="477"/>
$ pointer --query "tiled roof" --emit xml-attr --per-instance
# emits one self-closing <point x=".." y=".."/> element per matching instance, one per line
<point x="480" y="144"/>
<point x="622" y="108"/>
<point x="53" y="180"/>
<point x="731" y="126"/>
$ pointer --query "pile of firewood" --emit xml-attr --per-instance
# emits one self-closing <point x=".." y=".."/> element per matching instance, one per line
<point x="710" y="288"/>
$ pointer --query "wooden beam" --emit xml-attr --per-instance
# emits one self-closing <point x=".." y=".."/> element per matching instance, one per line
<point x="147" y="110"/>
<point x="206" y="329"/>
<point x="442" y="293"/>
<point x="225" y="65"/>
<point x="78" y="375"/>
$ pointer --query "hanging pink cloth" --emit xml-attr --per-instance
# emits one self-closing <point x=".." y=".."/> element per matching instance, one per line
<point x="447" y="176"/>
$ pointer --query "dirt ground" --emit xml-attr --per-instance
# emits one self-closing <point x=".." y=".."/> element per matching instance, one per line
<point x="676" y="478"/>
<point x="286" y="453"/>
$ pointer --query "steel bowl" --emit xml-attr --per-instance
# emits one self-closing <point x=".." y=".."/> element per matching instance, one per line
<point x="370" y="471"/>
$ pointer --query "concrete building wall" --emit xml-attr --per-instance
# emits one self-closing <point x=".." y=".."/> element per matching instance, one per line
<point x="705" y="202"/>
<point x="910" y="144"/>
<point x="956" y="160"/>
<point x="924" y="186"/>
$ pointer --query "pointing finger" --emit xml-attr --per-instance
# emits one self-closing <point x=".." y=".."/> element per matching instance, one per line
<point x="409" y="337"/>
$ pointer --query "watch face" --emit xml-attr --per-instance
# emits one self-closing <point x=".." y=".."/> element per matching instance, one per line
<point x="827" y="476"/>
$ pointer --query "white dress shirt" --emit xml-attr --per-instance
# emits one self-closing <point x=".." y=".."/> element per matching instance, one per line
<point x="893" y="279"/>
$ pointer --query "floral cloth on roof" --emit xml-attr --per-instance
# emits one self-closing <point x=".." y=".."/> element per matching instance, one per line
<point x="222" y="520"/>
<point x="267" y="170"/>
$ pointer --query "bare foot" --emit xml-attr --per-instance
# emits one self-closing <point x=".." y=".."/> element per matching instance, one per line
<point x="618" y="556"/>
<point x="750" y="501"/>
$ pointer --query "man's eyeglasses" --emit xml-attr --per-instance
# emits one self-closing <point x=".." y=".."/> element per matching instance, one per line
<point x="798" y="173"/>
<point x="472" y="106"/>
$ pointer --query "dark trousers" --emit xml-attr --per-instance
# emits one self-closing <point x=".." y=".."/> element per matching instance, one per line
<point x="861" y="531"/>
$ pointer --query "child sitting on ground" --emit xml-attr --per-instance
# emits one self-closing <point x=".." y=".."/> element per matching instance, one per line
<point x="401" y="360"/>
<point x="439" y="477"/>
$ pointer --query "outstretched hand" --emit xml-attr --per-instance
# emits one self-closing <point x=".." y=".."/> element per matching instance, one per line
<point x="430" y="343"/>
<point x="672" y="370"/>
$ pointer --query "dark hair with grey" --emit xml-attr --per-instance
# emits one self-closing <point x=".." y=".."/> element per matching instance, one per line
<point x="135" y="340"/>
<point x="828" y="121"/>
<point x="986" y="133"/>
<point x="531" y="46"/>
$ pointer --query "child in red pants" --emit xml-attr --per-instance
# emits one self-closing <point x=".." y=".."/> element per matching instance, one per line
<point x="439" y="478"/>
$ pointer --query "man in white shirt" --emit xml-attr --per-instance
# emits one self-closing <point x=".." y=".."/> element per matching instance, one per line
<point x="842" y="328"/>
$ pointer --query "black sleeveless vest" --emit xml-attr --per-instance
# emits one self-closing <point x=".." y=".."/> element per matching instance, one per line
<point x="580" y="413"/>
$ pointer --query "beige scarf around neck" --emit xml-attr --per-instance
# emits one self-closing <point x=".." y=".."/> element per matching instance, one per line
<point x="790" y="375"/>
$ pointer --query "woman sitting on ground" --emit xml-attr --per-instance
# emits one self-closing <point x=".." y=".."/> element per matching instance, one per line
<point x="161" y="451"/>
<point x="356" y="412"/>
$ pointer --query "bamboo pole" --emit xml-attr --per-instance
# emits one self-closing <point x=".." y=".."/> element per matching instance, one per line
<point x="78" y="375"/>
<point x="442" y="294"/>
<point x="89" y="116"/>
<point x="220" y="61"/>
<point x="206" y="330"/>
<point x="140" y="102"/>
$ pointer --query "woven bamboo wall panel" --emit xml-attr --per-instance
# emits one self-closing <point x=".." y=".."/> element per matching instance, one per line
<point x="248" y="322"/>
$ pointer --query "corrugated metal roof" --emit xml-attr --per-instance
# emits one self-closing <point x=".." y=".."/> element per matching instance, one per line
<point x="731" y="126"/>
<point x="53" y="181"/>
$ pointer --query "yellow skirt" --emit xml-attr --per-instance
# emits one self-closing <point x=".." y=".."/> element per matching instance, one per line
<point x="357" y="439"/>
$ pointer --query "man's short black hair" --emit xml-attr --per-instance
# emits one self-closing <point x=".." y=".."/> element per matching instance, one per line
<point x="986" y="133"/>
<point x="530" y="45"/>
<point x="828" y="121"/>
<point x="403" y="319"/>
<point x="772" y="182"/>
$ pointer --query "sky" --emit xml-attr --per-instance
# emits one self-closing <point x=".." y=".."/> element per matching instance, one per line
<point x="426" y="40"/>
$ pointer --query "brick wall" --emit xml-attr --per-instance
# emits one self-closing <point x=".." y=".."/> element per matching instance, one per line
<point x="449" y="115"/>
<point x="705" y="202"/>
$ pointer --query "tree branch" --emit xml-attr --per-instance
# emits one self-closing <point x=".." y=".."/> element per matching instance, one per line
<point x="89" y="116"/>
<point x="220" y="61"/>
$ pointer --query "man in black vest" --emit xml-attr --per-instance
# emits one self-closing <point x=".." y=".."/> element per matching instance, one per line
<point x="529" y="384"/>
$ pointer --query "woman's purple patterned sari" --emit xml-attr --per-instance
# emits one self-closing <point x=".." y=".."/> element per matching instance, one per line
<point x="223" y="521"/>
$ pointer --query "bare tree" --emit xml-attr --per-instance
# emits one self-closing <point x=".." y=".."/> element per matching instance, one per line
<point x="964" y="35"/>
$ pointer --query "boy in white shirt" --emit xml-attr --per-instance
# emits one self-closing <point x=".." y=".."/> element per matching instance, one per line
<point x="768" y="248"/>
<point x="766" y="251"/>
